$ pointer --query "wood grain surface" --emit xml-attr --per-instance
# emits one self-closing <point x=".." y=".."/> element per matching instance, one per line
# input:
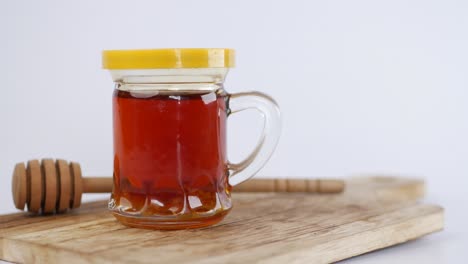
<point x="373" y="213"/>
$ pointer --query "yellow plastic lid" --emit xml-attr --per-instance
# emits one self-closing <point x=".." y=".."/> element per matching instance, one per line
<point x="167" y="59"/>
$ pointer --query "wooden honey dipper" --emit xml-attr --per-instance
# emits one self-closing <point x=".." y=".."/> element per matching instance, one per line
<point x="55" y="186"/>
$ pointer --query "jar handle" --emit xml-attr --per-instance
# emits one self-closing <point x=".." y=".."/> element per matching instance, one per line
<point x="269" y="109"/>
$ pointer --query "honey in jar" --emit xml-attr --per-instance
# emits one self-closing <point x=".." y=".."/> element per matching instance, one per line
<point x="170" y="109"/>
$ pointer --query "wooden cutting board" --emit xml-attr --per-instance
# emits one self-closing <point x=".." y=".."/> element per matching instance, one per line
<point x="373" y="213"/>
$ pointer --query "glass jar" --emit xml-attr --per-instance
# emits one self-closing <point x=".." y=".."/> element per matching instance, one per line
<point x="170" y="108"/>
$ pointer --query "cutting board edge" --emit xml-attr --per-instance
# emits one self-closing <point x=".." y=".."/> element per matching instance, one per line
<point x="43" y="253"/>
<point x="437" y="218"/>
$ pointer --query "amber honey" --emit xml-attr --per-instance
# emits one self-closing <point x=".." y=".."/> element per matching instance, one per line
<point x="170" y="159"/>
<point x="170" y="111"/>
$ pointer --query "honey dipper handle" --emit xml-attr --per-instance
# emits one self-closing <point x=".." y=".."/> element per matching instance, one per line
<point x="291" y="185"/>
<point x="97" y="185"/>
<point x="104" y="185"/>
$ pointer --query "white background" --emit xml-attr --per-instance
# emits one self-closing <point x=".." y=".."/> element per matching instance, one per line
<point x="364" y="87"/>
